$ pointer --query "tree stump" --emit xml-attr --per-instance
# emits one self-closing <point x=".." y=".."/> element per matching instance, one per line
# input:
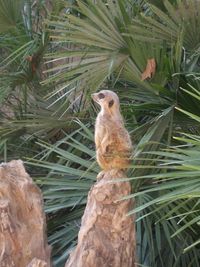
<point x="107" y="235"/>
<point x="23" y="241"/>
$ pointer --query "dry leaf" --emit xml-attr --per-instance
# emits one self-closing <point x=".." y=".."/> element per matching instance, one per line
<point x="32" y="60"/>
<point x="150" y="69"/>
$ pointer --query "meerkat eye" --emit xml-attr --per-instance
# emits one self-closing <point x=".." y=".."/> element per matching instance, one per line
<point x="111" y="102"/>
<point x="101" y="95"/>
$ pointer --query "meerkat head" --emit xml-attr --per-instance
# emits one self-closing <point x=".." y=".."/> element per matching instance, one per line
<point x="107" y="99"/>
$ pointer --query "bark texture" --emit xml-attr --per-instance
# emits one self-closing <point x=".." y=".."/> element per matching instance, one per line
<point x="23" y="241"/>
<point x="107" y="235"/>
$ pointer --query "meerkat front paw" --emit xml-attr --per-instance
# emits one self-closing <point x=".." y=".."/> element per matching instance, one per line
<point x="100" y="175"/>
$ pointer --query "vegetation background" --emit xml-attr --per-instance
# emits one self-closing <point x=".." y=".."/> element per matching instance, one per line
<point x="54" y="54"/>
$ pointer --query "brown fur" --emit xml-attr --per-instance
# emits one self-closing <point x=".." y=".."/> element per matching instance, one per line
<point x="113" y="144"/>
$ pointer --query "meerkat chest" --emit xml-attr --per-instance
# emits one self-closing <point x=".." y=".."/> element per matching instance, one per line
<point x="100" y="127"/>
<point x="107" y="128"/>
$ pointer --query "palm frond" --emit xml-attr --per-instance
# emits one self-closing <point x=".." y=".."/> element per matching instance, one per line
<point x="10" y="15"/>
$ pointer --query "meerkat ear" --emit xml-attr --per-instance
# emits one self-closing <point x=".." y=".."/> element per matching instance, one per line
<point x="111" y="102"/>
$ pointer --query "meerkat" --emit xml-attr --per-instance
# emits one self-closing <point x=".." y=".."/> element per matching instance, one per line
<point x="113" y="143"/>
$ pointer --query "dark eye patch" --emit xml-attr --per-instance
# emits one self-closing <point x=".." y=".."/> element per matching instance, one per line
<point x="111" y="102"/>
<point x="101" y="95"/>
